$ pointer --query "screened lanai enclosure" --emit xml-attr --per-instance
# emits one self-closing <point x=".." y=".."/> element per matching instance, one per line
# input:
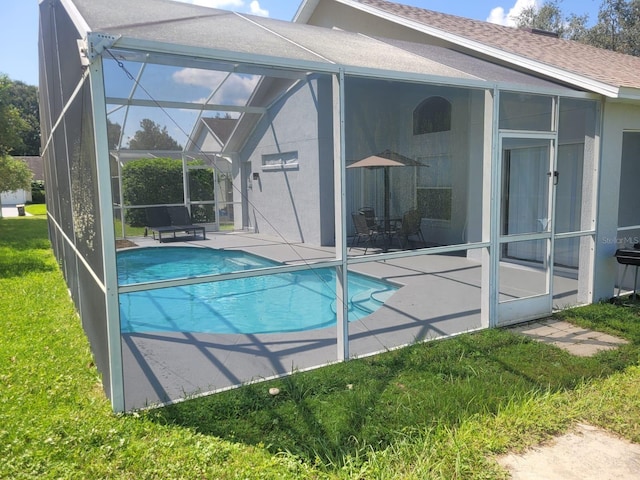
<point x="250" y="125"/>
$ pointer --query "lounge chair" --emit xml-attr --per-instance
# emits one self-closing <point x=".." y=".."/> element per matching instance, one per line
<point x="171" y="220"/>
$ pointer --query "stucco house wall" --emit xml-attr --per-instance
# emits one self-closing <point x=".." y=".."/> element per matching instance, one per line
<point x="331" y="14"/>
<point x="617" y="118"/>
<point x="297" y="130"/>
<point x="380" y="116"/>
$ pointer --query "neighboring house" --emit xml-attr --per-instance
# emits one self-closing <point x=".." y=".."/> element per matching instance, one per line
<point x="211" y="134"/>
<point x="527" y="149"/>
<point x="23" y="196"/>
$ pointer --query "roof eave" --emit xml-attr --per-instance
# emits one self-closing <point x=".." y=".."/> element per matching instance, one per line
<point x="629" y="93"/>
<point x="557" y="74"/>
<point x="305" y="10"/>
<point x="76" y="17"/>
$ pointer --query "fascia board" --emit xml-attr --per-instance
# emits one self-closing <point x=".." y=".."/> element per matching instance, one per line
<point x="560" y="91"/>
<point x="629" y="93"/>
<point x="305" y="10"/>
<point x="554" y="72"/>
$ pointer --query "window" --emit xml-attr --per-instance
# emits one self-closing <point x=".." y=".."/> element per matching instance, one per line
<point x="434" y="190"/>
<point x="522" y="111"/>
<point x="431" y="116"/>
<point x="280" y="160"/>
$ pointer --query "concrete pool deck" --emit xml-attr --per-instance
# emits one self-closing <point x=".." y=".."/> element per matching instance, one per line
<point x="440" y="297"/>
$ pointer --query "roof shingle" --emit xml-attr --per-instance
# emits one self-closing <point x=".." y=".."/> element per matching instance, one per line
<point x="608" y="67"/>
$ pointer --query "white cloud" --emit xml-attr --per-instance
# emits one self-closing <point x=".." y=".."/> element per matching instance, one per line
<point x="256" y="10"/>
<point x="225" y="4"/>
<point x="499" y="16"/>
<point x="200" y="78"/>
<point x="235" y="90"/>
<point x="236" y="5"/>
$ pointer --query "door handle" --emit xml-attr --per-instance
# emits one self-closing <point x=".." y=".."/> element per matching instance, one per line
<point x="555" y="174"/>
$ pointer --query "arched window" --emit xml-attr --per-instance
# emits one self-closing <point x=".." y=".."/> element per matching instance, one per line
<point x="432" y="115"/>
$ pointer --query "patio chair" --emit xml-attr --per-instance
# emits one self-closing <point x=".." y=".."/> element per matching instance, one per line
<point x="363" y="231"/>
<point x="370" y="216"/>
<point x="385" y="228"/>
<point x="410" y="227"/>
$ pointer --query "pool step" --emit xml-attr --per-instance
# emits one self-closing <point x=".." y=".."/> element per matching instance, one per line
<point x="367" y="302"/>
<point x="245" y="263"/>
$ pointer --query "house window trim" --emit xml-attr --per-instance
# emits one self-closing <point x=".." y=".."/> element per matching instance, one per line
<point x="280" y="161"/>
<point x="431" y="117"/>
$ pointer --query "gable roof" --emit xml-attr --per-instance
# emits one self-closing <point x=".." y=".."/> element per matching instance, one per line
<point x="36" y="165"/>
<point x="221" y="127"/>
<point x="594" y="69"/>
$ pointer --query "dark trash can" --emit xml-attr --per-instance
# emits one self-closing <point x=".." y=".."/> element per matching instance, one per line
<point x="20" y="210"/>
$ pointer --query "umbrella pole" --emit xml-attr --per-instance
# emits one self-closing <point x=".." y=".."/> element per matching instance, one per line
<point x="387" y="227"/>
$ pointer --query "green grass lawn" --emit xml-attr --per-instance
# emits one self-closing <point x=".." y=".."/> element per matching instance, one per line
<point x="437" y="410"/>
<point x="36" y="209"/>
<point x="129" y="230"/>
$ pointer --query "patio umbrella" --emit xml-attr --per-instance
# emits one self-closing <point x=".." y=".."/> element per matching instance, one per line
<point x="386" y="160"/>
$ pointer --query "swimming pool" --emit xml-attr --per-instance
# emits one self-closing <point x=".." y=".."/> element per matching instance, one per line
<point x="285" y="302"/>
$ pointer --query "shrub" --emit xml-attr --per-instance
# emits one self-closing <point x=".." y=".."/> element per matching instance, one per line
<point x="158" y="181"/>
<point x="37" y="191"/>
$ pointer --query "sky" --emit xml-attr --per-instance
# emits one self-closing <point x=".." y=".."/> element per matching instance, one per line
<point x="19" y="32"/>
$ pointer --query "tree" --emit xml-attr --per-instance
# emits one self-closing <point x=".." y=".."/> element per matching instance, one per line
<point x="152" y="137"/>
<point x="12" y="126"/>
<point x="25" y="99"/>
<point x="617" y="28"/>
<point x="549" y="17"/>
<point x="14" y="175"/>
<point x="113" y="133"/>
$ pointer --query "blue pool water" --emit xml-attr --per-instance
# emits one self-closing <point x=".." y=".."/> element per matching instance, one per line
<point x="284" y="302"/>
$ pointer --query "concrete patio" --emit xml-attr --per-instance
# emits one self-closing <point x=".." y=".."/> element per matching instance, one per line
<point x="439" y="297"/>
<point x="576" y="340"/>
<point x="11" y="211"/>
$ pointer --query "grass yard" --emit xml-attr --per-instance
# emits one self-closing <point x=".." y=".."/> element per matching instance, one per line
<point x="438" y="410"/>
<point x="36" y="209"/>
<point x="129" y="230"/>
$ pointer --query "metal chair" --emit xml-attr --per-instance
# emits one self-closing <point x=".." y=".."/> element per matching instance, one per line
<point x="363" y="231"/>
<point x="411" y="226"/>
<point x="370" y="216"/>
